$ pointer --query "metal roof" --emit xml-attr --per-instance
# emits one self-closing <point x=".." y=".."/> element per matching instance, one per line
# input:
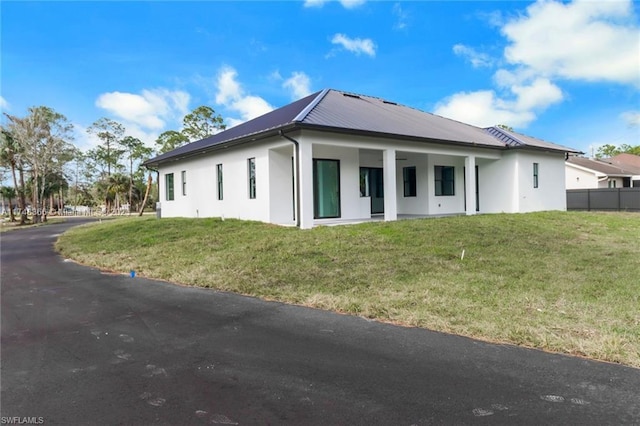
<point x="518" y="140"/>
<point x="599" y="166"/>
<point x="342" y="110"/>
<point x="338" y="111"/>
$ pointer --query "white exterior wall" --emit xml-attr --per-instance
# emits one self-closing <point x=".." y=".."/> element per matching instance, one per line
<point x="579" y="178"/>
<point x="498" y="187"/>
<point x="420" y="203"/>
<point x="551" y="193"/>
<point x="605" y="183"/>
<point x="505" y="179"/>
<point x="281" y="208"/>
<point x="201" y="198"/>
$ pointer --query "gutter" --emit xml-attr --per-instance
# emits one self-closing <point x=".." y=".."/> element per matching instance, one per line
<point x="296" y="145"/>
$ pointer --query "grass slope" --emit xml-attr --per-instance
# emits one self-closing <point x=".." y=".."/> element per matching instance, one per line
<point x="565" y="282"/>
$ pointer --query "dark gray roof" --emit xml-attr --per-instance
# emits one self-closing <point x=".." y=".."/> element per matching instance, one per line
<point x="337" y="111"/>
<point x="517" y="140"/>
<point x="600" y="166"/>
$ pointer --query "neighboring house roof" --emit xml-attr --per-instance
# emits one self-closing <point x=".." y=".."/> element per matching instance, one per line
<point x="599" y="166"/>
<point x="629" y="162"/>
<point x="343" y="112"/>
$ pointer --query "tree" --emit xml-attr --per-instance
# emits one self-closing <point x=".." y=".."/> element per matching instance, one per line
<point x="146" y="193"/>
<point x="42" y="136"/>
<point x="116" y="185"/>
<point x="609" y="150"/>
<point x="9" y="193"/>
<point x="170" y="140"/>
<point x="11" y="156"/>
<point x="110" y="133"/>
<point x="202" y="122"/>
<point x="136" y="151"/>
<point x="505" y="127"/>
<point x="628" y="149"/>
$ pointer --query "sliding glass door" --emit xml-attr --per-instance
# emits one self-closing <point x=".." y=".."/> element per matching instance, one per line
<point x="326" y="188"/>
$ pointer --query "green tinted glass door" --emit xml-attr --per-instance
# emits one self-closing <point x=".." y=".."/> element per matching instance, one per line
<point x="326" y="188"/>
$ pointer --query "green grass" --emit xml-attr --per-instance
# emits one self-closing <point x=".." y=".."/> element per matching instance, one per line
<point x="563" y="282"/>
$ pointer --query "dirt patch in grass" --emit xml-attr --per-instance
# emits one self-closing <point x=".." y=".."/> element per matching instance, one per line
<point x="560" y="281"/>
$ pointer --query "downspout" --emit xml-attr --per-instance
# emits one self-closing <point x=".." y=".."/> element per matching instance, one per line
<point x="297" y="176"/>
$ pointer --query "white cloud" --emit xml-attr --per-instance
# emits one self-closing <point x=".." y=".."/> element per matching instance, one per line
<point x="581" y="40"/>
<point x="402" y="17"/>
<point x="632" y="118"/>
<point x="4" y="104"/>
<point x="299" y="84"/>
<point x="477" y="59"/>
<point x="351" y="4"/>
<point x="84" y="140"/>
<point x="314" y="3"/>
<point x="355" y="45"/>
<point x="485" y="108"/>
<point x="347" y="4"/>
<point x="538" y="95"/>
<point x="231" y="95"/>
<point x="148" y="110"/>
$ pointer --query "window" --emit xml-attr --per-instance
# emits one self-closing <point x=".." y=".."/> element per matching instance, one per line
<point x="535" y="175"/>
<point x="445" y="181"/>
<point x="184" y="182"/>
<point x="251" y="162"/>
<point x="612" y="184"/>
<point x="409" y="177"/>
<point x="365" y="191"/>
<point x="168" y="186"/>
<point x="219" y="173"/>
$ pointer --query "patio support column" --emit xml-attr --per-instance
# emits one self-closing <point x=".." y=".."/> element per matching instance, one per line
<point x="306" y="185"/>
<point x="470" y="179"/>
<point x="389" y="175"/>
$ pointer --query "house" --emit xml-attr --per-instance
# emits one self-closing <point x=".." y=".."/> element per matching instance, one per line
<point x="338" y="156"/>
<point x="631" y="163"/>
<point x="582" y="173"/>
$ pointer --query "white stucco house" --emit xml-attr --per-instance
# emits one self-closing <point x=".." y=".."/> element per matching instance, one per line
<point x="592" y="173"/>
<point x="337" y="156"/>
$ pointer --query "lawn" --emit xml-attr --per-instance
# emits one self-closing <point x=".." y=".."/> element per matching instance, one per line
<point x="559" y="281"/>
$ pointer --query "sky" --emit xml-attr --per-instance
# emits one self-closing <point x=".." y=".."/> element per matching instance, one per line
<point x="565" y="72"/>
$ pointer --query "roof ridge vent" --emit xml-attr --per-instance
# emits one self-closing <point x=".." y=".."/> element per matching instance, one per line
<point x="351" y="95"/>
<point x="389" y="102"/>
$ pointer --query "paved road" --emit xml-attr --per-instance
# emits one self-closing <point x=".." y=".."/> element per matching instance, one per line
<point x="83" y="347"/>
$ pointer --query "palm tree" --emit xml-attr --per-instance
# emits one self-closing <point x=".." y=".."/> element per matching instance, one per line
<point x="11" y="156"/>
<point x="118" y="184"/>
<point x="9" y="193"/>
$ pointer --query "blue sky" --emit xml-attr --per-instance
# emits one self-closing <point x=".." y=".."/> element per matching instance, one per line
<point x="567" y="72"/>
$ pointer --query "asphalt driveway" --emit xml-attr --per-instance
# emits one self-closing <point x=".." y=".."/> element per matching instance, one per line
<point x="84" y="347"/>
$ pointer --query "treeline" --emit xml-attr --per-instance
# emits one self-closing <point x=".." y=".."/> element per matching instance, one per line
<point x="48" y="172"/>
